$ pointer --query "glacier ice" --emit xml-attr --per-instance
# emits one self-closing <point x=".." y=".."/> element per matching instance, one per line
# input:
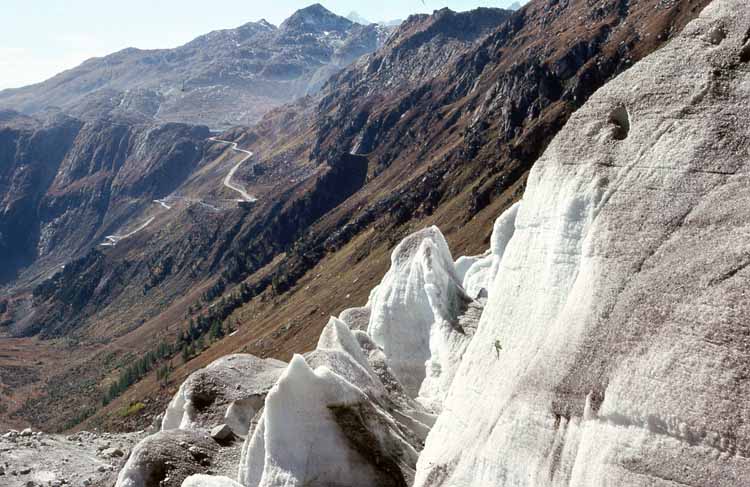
<point x="401" y="316"/>
<point x="482" y="272"/>
<point x="230" y="390"/>
<point x="328" y="421"/>
<point x="414" y="313"/>
<point x="201" y="480"/>
<point x="299" y="435"/>
<point x="620" y="297"/>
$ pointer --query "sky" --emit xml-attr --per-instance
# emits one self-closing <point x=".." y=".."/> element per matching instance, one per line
<point x="41" y="38"/>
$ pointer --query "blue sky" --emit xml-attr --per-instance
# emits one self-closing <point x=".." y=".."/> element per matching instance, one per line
<point x="40" y="38"/>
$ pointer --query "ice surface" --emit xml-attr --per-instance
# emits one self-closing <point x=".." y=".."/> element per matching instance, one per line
<point x="620" y="300"/>
<point x="330" y="420"/>
<point x="402" y="315"/>
<point x="464" y="263"/>
<point x="300" y="439"/>
<point x="230" y="390"/>
<point x="356" y="318"/>
<point x="209" y="481"/>
<point x="481" y="274"/>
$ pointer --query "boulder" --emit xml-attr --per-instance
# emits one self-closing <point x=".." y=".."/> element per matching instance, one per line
<point x="165" y="459"/>
<point x="112" y="453"/>
<point x="222" y="433"/>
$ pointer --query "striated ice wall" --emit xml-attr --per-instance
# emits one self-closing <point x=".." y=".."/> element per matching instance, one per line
<point x="621" y="301"/>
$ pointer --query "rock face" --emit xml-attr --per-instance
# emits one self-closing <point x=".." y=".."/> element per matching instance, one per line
<point x="65" y="184"/>
<point x="421" y="49"/>
<point x="620" y="297"/>
<point x="223" y="78"/>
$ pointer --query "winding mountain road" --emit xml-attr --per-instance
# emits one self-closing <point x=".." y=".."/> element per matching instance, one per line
<point x="163" y="203"/>
<point x="111" y="240"/>
<point x="228" y="179"/>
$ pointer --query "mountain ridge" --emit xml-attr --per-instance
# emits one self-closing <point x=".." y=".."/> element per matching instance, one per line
<point x="224" y="78"/>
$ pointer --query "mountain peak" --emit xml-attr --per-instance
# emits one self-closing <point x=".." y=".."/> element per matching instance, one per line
<point x="316" y="18"/>
<point x="267" y="24"/>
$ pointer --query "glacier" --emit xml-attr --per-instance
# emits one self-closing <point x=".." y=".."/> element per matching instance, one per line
<point x="602" y="339"/>
<point x="232" y="389"/>
<point x="330" y="420"/>
<point x="620" y="299"/>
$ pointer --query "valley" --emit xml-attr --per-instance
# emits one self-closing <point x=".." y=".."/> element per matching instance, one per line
<point x="517" y="231"/>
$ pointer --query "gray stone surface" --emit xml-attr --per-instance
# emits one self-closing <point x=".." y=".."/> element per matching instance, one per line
<point x="167" y="458"/>
<point x="221" y="433"/>
<point x="45" y="460"/>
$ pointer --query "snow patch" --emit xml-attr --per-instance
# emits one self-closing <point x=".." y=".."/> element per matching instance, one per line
<point x="209" y="481"/>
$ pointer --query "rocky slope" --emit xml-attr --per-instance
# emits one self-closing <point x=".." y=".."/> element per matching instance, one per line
<point x="612" y="349"/>
<point x="65" y="182"/>
<point x="221" y="79"/>
<point x="32" y="458"/>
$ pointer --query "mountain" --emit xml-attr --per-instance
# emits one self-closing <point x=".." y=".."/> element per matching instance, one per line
<point x="391" y="23"/>
<point x="224" y="78"/>
<point x="439" y="126"/>
<point x="67" y="181"/>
